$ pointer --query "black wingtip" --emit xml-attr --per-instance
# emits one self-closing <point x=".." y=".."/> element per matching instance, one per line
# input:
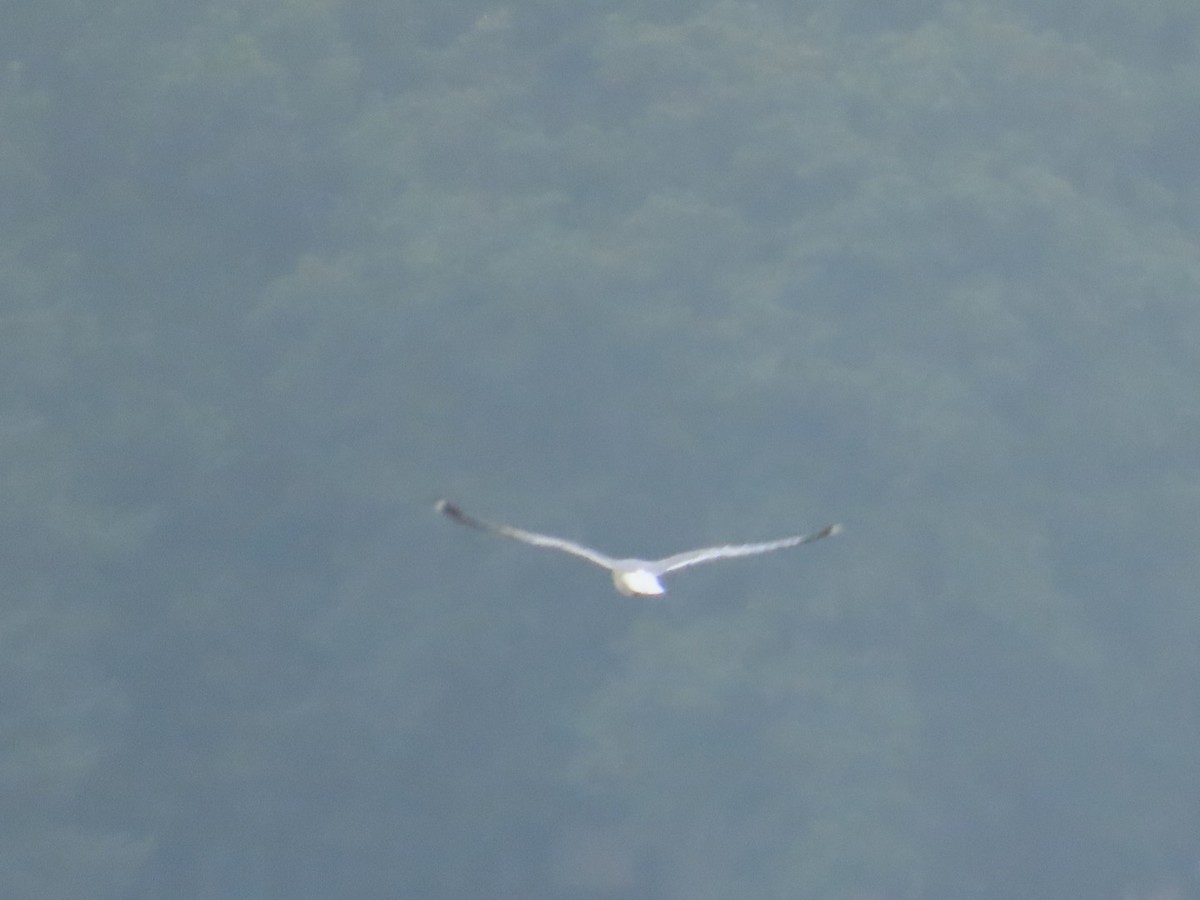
<point x="827" y="532"/>
<point x="453" y="511"/>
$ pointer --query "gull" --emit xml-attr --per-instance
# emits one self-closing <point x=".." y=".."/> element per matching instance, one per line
<point x="632" y="577"/>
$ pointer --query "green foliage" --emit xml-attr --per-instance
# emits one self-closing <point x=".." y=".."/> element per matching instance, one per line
<point x="276" y="275"/>
<point x="756" y="760"/>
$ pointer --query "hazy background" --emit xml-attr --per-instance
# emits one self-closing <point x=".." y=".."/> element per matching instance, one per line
<point x="274" y="276"/>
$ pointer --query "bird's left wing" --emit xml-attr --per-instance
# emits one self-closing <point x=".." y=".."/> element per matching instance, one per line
<point x="695" y="557"/>
<point x="455" y="512"/>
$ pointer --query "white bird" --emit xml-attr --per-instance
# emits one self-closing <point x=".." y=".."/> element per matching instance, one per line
<point x="632" y="577"/>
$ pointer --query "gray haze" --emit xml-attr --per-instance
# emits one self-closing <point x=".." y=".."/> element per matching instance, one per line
<point x="278" y="275"/>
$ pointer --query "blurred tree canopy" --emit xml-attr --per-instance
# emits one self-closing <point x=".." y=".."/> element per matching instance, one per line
<point x="276" y="275"/>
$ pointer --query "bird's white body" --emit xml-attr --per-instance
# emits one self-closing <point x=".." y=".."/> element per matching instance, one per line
<point x="632" y="577"/>
<point x="637" y="582"/>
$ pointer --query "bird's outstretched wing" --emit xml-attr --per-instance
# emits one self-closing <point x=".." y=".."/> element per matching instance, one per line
<point x="695" y="557"/>
<point x="453" y="511"/>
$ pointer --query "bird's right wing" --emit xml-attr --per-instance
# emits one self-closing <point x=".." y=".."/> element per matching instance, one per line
<point x="453" y="511"/>
<point x="708" y="554"/>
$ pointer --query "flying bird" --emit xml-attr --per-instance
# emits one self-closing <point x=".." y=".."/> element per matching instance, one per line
<point x="632" y="577"/>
